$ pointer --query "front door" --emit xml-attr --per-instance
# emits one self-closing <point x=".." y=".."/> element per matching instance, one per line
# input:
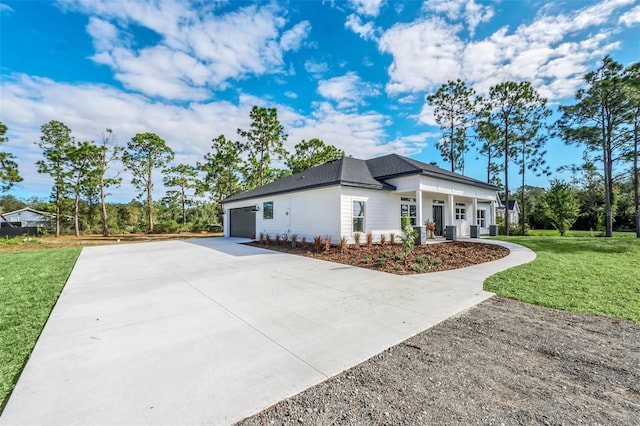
<point x="437" y="218"/>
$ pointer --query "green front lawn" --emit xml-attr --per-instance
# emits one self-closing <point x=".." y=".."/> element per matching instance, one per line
<point x="30" y="283"/>
<point x="589" y="274"/>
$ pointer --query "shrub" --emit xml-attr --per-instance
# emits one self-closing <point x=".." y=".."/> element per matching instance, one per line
<point x="416" y="267"/>
<point x="398" y="267"/>
<point x="381" y="261"/>
<point x="434" y="262"/>
<point x="267" y="239"/>
<point x="392" y="238"/>
<point x="356" y="238"/>
<point x="277" y="239"/>
<point x="303" y="243"/>
<point x="366" y="260"/>
<point x="410" y="234"/>
<point x="421" y="258"/>
<point x="327" y="242"/>
<point x="317" y="243"/>
<point x="261" y="238"/>
<point x="399" y="256"/>
<point x="343" y="244"/>
<point x="385" y="254"/>
<point x="285" y="239"/>
<point x="294" y="240"/>
<point x="383" y="239"/>
<point x="369" y="237"/>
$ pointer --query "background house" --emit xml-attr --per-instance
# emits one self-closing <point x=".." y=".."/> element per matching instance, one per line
<point x="514" y="211"/>
<point x="348" y="196"/>
<point x="25" y="221"/>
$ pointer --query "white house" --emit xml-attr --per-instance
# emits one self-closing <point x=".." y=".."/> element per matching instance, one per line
<point x="514" y="211"/>
<point x="348" y="196"/>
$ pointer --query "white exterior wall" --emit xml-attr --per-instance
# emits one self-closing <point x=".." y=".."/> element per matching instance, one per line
<point x="382" y="212"/>
<point x="305" y="213"/>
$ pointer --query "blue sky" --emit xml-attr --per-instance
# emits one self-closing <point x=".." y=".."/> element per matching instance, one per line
<point x="352" y="73"/>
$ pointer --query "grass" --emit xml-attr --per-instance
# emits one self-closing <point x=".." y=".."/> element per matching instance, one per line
<point x="30" y="283"/>
<point x="588" y="274"/>
<point x="555" y="233"/>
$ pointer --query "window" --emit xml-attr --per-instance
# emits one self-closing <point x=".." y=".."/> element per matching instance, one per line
<point x="358" y="216"/>
<point x="408" y="208"/>
<point x="482" y="218"/>
<point x="461" y="211"/>
<point x="267" y="210"/>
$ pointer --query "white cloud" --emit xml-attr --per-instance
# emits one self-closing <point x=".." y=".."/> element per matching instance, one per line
<point x="291" y="95"/>
<point x="425" y="53"/>
<point x="631" y="17"/>
<point x="367" y="7"/>
<point x="429" y="52"/>
<point x="316" y="68"/>
<point x="472" y="13"/>
<point x="366" y="31"/>
<point x="5" y="8"/>
<point x="347" y="91"/>
<point x="196" y="52"/>
<point x="291" y="39"/>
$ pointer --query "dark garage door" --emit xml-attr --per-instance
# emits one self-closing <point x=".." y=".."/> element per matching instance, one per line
<point x="242" y="222"/>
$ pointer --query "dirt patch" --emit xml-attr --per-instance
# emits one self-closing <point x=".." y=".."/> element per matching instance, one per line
<point x="390" y="258"/>
<point x="501" y="362"/>
<point x="64" y="241"/>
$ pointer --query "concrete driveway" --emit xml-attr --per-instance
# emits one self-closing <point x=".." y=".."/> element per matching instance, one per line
<point x="209" y="331"/>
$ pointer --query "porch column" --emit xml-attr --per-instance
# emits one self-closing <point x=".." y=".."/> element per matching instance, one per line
<point x="419" y="221"/>
<point x="474" y="214"/>
<point x="450" y="210"/>
<point x="493" y="214"/>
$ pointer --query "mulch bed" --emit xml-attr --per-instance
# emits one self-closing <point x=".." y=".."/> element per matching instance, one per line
<point x="390" y="258"/>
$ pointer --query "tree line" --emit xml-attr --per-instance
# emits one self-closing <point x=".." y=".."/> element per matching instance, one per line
<point x="83" y="172"/>
<point x="509" y="127"/>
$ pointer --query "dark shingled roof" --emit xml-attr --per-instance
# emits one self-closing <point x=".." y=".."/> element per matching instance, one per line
<point x="349" y="171"/>
<point x="345" y="171"/>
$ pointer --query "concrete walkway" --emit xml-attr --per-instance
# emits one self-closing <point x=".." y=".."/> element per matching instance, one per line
<point x="209" y="331"/>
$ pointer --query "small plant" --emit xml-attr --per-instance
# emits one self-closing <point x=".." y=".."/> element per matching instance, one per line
<point x="277" y="241"/>
<point x="261" y="238"/>
<point x="303" y="243"/>
<point x="267" y="239"/>
<point x="356" y="238"/>
<point x="366" y="260"/>
<point x="434" y="262"/>
<point x="317" y="243"/>
<point x="285" y="239"/>
<point x="327" y="242"/>
<point x="416" y="267"/>
<point x="392" y="238"/>
<point x="398" y="267"/>
<point x="385" y="254"/>
<point x="294" y="240"/>
<point x="369" y="238"/>
<point x="410" y="234"/>
<point x="343" y="244"/>
<point x="383" y="239"/>
<point x="421" y="258"/>
<point x="381" y="261"/>
<point x="399" y="256"/>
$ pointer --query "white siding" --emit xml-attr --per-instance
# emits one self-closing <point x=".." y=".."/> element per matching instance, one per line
<point x="305" y="213"/>
<point x="382" y="212"/>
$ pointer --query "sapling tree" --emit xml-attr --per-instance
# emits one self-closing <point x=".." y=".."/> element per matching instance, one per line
<point x="560" y="204"/>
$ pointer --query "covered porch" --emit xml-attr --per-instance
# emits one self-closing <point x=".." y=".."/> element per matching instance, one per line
<point x="454" y="215"/>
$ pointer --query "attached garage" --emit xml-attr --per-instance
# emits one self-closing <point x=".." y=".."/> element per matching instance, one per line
<point x="242" y="222"/>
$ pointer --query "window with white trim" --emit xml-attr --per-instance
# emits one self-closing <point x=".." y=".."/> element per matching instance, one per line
<point x="267" y="210"/>
<point x="461" y="211"/>
<point x="482" y="218"/>
<point x="358" y="216"/>
<point x="408" y="208"/>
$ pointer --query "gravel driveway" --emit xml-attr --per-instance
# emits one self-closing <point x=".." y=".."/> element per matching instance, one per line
<point x="501" y="362"/>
